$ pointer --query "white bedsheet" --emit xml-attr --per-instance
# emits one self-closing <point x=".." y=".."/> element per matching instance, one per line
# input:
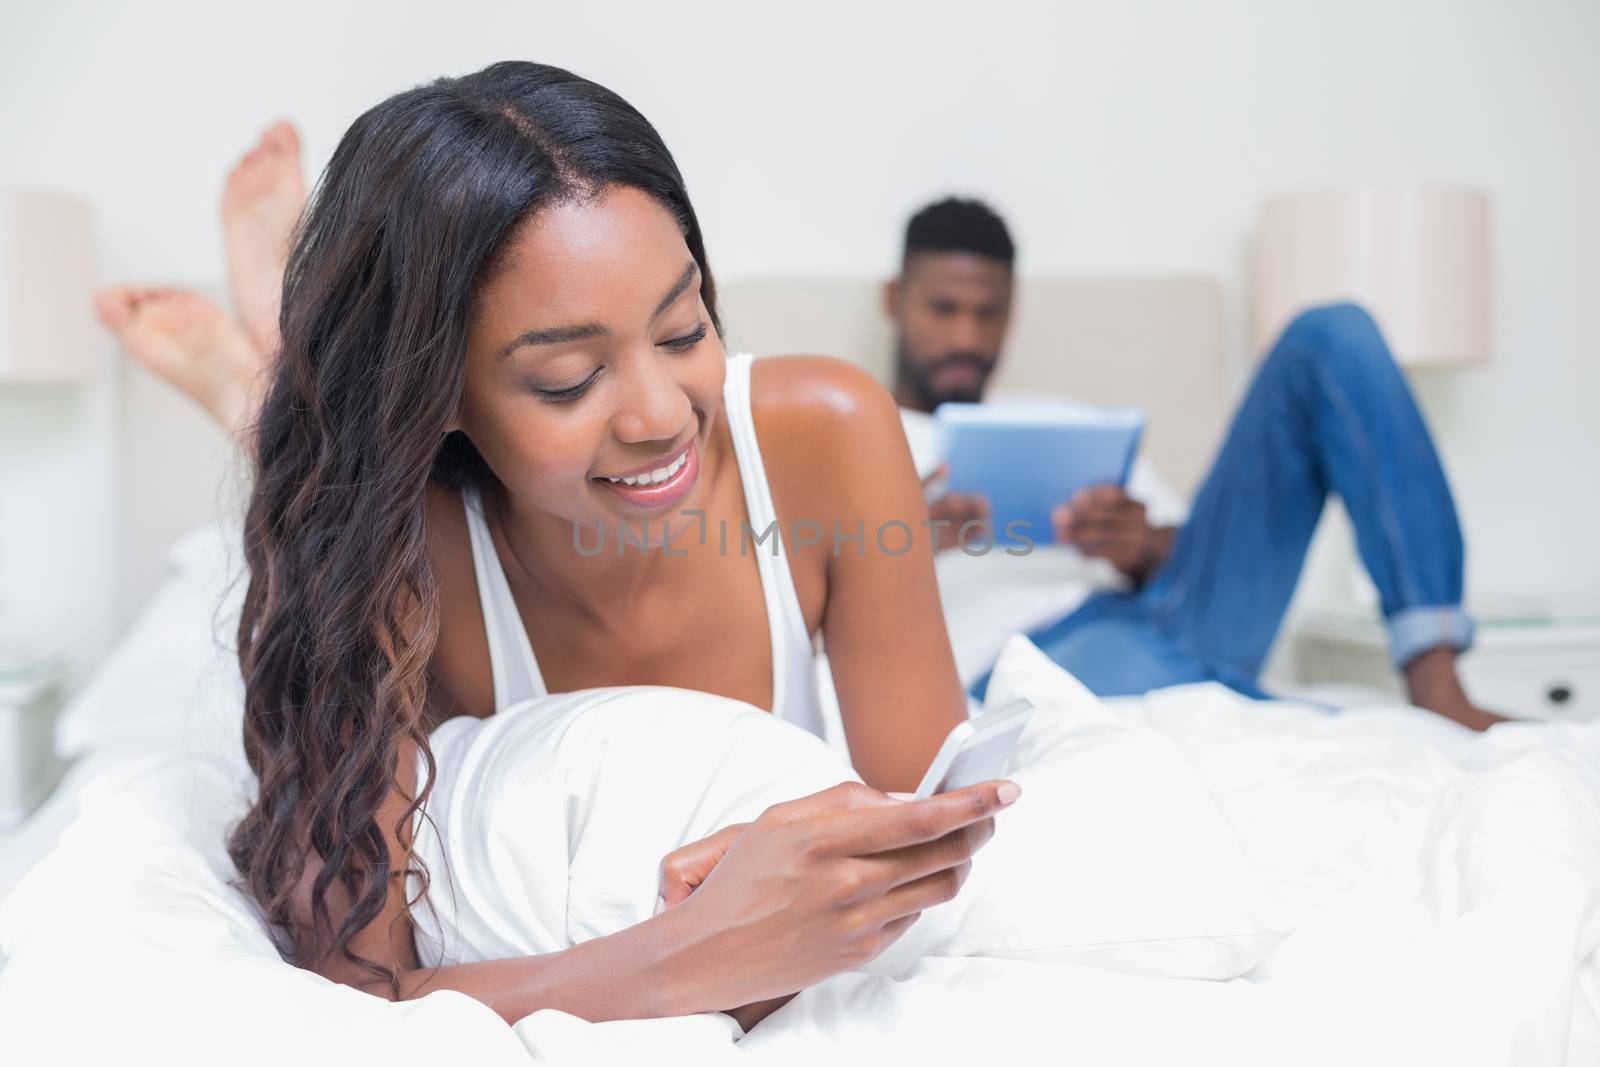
<point x="1444" y="886"/>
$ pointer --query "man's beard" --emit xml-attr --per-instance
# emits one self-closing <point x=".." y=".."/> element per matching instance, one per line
<point x="920" y="376"/>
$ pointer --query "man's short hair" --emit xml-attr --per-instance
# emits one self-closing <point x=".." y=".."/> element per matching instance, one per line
<point x="956" y="225"/>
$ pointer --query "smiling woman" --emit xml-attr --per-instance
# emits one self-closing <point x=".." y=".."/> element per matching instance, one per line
<point x="573" y="416"/>
<point x="499" y="330"/>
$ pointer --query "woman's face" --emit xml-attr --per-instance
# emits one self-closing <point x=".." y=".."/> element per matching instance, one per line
<point x="591" y="359"/>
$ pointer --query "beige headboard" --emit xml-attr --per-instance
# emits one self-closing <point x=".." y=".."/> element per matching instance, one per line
<point x="1156" y="343"/>
<point x="1153" y="342"/>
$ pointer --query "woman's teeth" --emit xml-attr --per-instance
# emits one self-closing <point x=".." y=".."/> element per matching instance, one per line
<point x="660" y="474"/>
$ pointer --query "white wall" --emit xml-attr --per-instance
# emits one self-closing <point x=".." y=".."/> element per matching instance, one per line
<point x="1116" y="137"/>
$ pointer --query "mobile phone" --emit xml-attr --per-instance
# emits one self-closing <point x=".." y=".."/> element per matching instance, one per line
<point x="977" y="750"/>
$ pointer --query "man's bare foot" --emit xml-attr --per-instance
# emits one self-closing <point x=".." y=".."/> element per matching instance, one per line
<point x="193" y="344"/>
<point x="261" y="203"/>
<point x="1434" y="684"/>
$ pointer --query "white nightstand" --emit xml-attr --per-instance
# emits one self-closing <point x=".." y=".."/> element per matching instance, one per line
<point x="29" y="696"/>
<point x="1525" y="666"/>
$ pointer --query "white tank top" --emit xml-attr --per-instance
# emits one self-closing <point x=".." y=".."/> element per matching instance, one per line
<point x="795" y="696"/>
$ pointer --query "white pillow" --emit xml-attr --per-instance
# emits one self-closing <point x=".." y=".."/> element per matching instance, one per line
<point x="1115" y="855"/>
<point x="174" y="675"/>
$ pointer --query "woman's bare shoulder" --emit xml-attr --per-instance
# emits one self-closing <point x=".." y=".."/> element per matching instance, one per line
<point x="825" y="416"/>
<point x="807" y="388"/>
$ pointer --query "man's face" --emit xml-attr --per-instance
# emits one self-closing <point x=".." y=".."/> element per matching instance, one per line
<point x="951" y="311"/>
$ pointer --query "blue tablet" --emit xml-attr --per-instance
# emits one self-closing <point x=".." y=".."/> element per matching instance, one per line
<point x="1029" y="458"/>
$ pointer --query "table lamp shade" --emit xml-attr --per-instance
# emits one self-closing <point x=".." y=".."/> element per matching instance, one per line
<point x="1415" y="256"/>
<point x="47" y="330"/>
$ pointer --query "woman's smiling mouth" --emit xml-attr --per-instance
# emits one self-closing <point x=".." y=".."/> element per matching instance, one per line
<point x="656" y="487"/>
<point x="654" y="476"/>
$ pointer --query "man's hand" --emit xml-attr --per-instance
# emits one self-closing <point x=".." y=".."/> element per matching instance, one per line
<point x="952" y="511"/>
<point x="1106" y="523"/>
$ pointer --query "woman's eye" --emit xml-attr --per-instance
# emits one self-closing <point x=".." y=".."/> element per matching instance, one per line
<point x="675" y="344"/>
<point x="687" y="341"/>
<point x="557" y="396"/>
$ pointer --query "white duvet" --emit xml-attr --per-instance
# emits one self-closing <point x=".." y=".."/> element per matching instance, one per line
<point x="1441" y="888"/>
<point x="626" y="775"/>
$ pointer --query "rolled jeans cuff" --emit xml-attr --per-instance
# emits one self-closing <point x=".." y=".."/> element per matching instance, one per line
<point x="1414" y="631"/>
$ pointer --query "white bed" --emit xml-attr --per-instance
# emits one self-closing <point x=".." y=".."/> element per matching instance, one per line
<point x="1444" y="890"/>
<point x="1444" y="886"/>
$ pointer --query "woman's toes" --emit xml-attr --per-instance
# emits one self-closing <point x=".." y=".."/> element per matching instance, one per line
<point x="281" y="137"/>
<point x="192" y="343"/>
<point x="115" y="306"/>
<point x="261" y="202"/>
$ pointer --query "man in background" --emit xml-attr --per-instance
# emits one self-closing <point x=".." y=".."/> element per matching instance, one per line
<point x="1138" y="595"/>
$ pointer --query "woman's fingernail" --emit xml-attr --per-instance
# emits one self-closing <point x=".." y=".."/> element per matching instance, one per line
<point x="1008" y="792"/>
<point x="661" y="906"/>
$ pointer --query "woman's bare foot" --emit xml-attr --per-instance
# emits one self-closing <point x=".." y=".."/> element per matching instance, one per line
<point x="261" y="203"/>
<point x="192" y="343"/>
<point x="1434" y="684"/>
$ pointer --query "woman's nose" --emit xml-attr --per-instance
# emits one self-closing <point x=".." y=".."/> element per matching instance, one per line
<point x="653" y="406"/>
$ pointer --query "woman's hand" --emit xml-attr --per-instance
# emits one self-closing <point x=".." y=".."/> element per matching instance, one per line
<point x="818" y="886"/>
<point x="683" y="869"/>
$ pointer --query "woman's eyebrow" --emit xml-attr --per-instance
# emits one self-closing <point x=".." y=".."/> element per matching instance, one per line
<point x="690" y="270"/>
<point x="557" y="335"/>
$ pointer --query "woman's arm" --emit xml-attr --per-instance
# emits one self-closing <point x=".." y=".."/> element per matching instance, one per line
<point x="631" y="974"/>
<point x="642" y="972"/>
<point x="813" y="887"/>
<point x="841" y="456"/>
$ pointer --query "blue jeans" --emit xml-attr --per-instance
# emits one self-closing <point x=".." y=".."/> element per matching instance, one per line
<point x="1328" y="412"/>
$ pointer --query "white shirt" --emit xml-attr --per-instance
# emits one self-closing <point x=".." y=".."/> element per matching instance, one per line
<point x="987" y="598"/>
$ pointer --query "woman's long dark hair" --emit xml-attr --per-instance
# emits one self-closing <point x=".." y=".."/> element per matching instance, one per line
<point x="341" y="617"/>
